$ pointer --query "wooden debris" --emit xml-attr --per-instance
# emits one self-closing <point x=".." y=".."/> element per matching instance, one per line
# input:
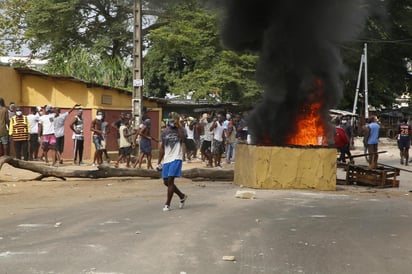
<point x="105" y="171"/>
<point x="379" y="177"/>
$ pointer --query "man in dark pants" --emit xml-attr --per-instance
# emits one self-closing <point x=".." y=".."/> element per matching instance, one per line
<point x="171" y="154"/>
<point x="78" y="136"/>
<point x="19" y="131"/>
<point x="404" y="141"/>
<point x="34" y="143"/>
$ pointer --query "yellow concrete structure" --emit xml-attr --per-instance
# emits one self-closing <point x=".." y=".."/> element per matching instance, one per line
<point x="270" y="167"/>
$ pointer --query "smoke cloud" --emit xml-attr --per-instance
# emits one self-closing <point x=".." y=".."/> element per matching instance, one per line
<point x="298" y="44"/>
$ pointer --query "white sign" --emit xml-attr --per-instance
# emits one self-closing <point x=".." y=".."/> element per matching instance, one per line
<point x="138" y="82"/>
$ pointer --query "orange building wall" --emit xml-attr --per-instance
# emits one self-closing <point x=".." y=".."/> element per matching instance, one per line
<point x="28" y="90"/>
<point x="10" y="86"/>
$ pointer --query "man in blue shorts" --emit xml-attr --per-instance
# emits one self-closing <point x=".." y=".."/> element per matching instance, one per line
<point x="404" y="140"/>
<point x="171" y="154"/>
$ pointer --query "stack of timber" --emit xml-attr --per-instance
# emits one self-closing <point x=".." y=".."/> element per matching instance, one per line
<point x="381" y="177"/>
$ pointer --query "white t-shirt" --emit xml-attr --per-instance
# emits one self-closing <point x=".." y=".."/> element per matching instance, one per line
<point x="173" y="145"/>
<point x="33" y="120"/>
<point x="208" y="133"/>
<point x="59" y="124"/>
<point x="218" y="132"/>
<point x="124" y="141"/>
<point x="190" y="133"/>
<point x="47" y="123"/>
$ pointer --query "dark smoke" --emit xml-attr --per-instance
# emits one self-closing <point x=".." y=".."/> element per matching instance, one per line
<point x="298" y="43"/>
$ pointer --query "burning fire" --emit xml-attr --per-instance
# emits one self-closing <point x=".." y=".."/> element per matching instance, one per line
<point x="310" y="127"/>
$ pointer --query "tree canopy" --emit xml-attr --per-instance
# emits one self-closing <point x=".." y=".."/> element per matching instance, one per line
<point x="185" y="56"/>
<point x="90" y="38"/>
<point x="388" y="35"/>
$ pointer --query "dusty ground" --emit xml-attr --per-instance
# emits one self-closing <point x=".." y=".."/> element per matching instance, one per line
<point x="18" y="193"/>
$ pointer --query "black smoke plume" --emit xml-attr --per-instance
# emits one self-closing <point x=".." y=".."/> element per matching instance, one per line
<point x="298" y="43"/>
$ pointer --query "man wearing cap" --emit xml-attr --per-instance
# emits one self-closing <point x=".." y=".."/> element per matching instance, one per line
<point x="19" y="130"/>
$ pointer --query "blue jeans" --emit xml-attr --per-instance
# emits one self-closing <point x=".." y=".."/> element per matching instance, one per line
<point x="230" y="152"/>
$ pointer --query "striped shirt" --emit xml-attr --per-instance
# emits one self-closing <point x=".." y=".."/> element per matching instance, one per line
<point x="19" y="128"/>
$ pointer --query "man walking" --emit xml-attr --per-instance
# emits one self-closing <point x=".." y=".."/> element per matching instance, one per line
<point x="125" y="144"/>
<point x="145" y="144"/>
<point x="342" y="142"/>
<point x="171" y="154"/>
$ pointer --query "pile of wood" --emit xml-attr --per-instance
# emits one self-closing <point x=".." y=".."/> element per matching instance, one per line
<point x="379" y="177"/>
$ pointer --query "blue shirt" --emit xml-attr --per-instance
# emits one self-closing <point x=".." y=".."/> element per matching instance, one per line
<point x="373" y="134"/>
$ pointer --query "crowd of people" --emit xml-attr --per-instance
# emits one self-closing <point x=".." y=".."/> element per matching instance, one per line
<point x="213" y="135"/>
<point x="40" y="135"/>
<point x="42" y="128"/>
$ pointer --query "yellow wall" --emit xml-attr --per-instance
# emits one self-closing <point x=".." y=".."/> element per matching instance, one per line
<point x="38" y="90"/>
<point x="285" y="168"/>
<point x="63" y="93"/>
<point x="10" y="86"/>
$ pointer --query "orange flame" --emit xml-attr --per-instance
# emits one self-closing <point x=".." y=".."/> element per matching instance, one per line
<point x="310" y="128"/>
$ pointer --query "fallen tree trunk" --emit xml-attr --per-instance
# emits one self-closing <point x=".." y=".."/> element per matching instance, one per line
<point x="105" y="171"/>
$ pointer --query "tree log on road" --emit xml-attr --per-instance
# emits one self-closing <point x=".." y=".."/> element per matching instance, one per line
<point x="105" y="171"/>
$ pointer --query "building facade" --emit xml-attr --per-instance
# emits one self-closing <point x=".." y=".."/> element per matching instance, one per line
<point x="27" y="88"/>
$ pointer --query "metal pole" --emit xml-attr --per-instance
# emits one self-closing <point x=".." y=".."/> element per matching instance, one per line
<point x="355" y="102"/>
<point x="138" y="82"/>
<point x="365" y="49"/>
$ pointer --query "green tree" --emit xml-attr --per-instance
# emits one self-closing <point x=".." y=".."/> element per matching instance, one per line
<point x="83" y="64"/>
<point x="388" y="34"/>
<point x="185" y="56"/>
<point x="12" y="25"/>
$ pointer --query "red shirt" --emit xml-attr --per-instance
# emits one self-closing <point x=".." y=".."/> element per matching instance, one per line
<point x="341" y="139"/>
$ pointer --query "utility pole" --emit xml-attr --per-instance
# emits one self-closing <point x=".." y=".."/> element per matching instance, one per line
<point x="365" y="53"/>
<point x="138" y="82"/>
<point x="363" y="66"/>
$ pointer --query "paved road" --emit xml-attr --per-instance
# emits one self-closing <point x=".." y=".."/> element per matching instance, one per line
<point x="280" y="231"/>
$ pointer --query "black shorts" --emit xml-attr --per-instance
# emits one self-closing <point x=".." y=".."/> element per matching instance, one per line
<point x="126" y="150"/>
<point x="404" y="143"/>
<point x="34" y="140"/>
<point x="217" y="147"/>
<point x="190" y="145"/>
<point x="59" y="144"/>
<point x="206" y="145"/>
